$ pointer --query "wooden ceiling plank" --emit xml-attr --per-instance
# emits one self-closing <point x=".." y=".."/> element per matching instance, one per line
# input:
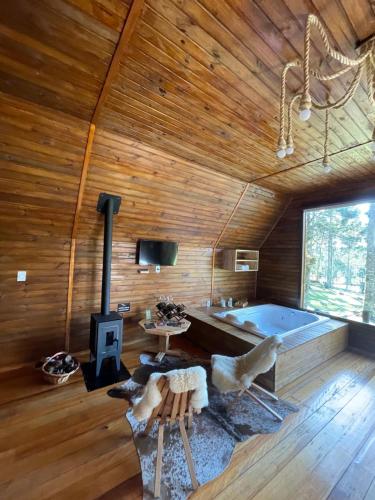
<point x="354" y="113"/>
<point x="130" y="24"/>
<point x="228" y="46"/>
<point x="284" y="16"/>
<point x="162" y="122"/>
<point x="132" y="129"/>
<point x="270" y="152"/>
<point x="209" y="95"/>
<point x="174" y="97"/>
<point x="156" y="102"/>
<point x="165" y="19"/>
<point x="267" y="59"/>
<point x="142" y="147"/>
<point x="361" y="17"/>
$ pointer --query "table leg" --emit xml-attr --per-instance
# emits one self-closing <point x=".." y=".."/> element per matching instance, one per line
<point x="163" y="348"/>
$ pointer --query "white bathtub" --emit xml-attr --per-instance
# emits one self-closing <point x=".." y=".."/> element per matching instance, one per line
<point x="270" y="319"/>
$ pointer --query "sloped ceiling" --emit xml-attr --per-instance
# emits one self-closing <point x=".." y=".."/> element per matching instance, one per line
<point x="163" y="197"/>
<point x="200" y="79"/>
<point x="190" y="119"/>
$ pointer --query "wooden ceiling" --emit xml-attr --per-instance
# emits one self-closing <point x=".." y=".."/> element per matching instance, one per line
<point x="199" y="80"/>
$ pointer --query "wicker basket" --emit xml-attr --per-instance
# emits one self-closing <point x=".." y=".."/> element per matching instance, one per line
<point x="57" y="379"/>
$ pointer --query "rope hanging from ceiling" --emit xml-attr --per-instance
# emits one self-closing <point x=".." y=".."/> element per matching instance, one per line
<point x="365" y="63"/>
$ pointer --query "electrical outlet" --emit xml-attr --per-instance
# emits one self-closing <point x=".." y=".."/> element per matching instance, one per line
<point x="21" y="276"/>
<point x="123" y="308"/>
<point x="157" y="269"/>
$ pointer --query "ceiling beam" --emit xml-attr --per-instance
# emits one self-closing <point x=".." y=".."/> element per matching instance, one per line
<point x="130" y="23"/>
<point x="301" y="165"/>
<point x="234" y="210"/>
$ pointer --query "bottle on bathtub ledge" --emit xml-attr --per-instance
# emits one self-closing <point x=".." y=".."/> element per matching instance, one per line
<point x="222" y="302"/>
<point x="230" y="302"/>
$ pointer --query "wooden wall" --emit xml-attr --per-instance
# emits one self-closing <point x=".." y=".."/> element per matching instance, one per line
<point x="163" y="197"/>
<point x="41" y="155"/>
<point x="279" y="276"/>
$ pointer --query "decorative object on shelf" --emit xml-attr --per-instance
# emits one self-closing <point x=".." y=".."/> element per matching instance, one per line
<point x="239" y="260"/>
<point x="58" y="368"/>
<point x="241" y="303"/>
<point x="365" y="62"/>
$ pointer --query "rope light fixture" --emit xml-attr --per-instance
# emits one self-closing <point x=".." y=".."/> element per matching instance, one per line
<point x="364" y="63"/>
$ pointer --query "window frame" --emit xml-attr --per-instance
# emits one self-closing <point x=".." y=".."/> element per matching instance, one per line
<point x="315" y="208"/>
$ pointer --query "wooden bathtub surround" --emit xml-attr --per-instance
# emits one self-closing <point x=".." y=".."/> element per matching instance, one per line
<point x="301" y="351"/>
<point x="280" y="266"/>
<point x="195" y="92"/>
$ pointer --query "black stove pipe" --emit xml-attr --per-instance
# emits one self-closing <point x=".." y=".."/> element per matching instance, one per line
<point x="107" y="256"/>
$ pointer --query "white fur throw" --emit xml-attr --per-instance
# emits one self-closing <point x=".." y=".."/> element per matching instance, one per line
<point x="236" y="373"/>
<point x="189" y="379"/>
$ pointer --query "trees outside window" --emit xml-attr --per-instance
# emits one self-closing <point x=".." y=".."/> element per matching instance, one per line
<point x="339" y="261"/>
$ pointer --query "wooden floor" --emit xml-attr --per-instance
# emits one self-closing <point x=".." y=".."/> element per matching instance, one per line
<point x="66" y="443"/>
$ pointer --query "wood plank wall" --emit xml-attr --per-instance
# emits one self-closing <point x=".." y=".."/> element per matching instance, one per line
<point x="163" y="197"/>
<point x="279" y="276"/>
<point x="41" y="155"/>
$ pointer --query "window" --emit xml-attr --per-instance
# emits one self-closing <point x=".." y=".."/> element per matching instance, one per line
<point x="339" y="261"/>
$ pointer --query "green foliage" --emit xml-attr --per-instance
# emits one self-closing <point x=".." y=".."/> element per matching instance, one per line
<point x="336" y="251"/>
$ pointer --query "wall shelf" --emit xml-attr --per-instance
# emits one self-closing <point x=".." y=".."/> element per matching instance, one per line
<point x="239" y="260"/>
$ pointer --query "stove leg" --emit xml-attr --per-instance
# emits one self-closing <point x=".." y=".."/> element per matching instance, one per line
<point x="98" y="366"/>
<point x="118" y="362"/>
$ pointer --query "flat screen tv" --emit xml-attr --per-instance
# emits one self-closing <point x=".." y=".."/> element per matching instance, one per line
<point x="162" y="253"/>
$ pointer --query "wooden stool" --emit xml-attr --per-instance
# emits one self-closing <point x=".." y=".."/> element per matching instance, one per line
<point x="173" y="407"/>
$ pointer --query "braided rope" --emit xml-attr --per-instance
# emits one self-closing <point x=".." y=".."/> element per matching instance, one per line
<point x="370" y="73"/>
<point x="289" y="141"/>
<point x="287" y="67"/>
<point x="365" y="61"/>
<point x="322" y="77"/>
<point x="315" y="21"/>
<point x="306" y="99"/>
<point x="326" y="131"/>
<point x="347" y="96"/>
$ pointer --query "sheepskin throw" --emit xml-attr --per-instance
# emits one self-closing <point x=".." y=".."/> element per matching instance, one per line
<point x="236" y="373"/>
<point x="215" y="431"/>
<point x="189" y="379"/>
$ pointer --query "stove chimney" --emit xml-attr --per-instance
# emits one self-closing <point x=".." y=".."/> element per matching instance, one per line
<point x="108" y="205"/>
<point x="106" y="328"/>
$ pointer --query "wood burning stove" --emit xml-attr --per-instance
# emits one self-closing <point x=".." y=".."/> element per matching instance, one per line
<point x="107" y="326"/>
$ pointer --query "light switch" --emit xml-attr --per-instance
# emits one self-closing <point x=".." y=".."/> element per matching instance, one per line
<point x="21" y="276"/>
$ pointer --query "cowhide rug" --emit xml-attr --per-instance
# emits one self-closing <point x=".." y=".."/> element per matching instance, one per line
<point x="212" y="438"/>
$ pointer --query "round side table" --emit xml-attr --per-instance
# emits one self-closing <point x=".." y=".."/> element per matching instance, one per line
<point x="164" y="332"/>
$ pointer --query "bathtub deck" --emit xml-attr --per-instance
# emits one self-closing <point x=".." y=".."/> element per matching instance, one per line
<point x="301" y="351"/>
